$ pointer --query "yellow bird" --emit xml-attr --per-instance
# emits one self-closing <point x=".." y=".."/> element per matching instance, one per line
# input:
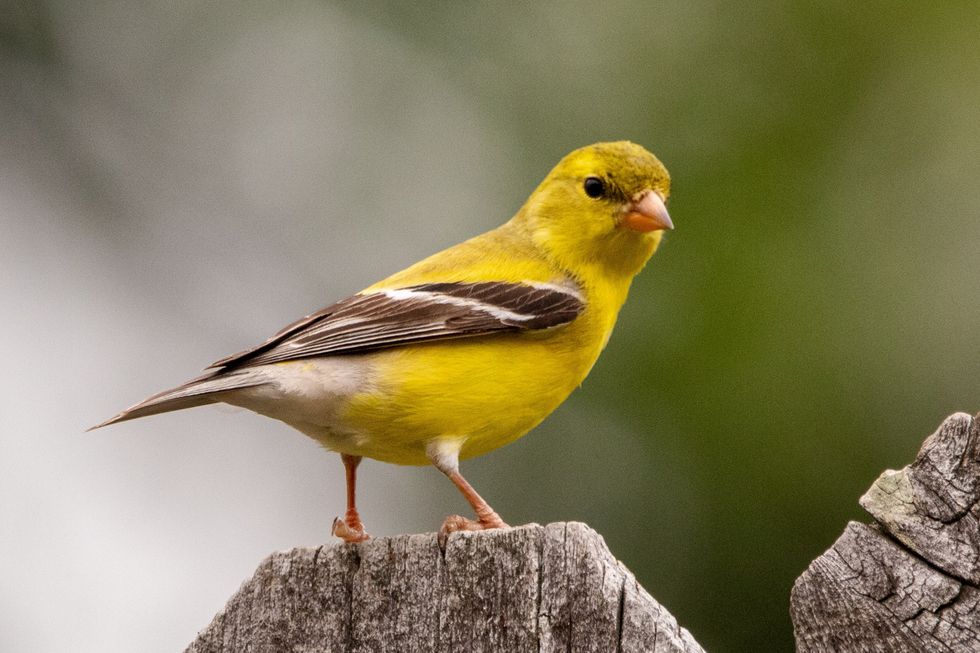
<point x="466" y="350"/>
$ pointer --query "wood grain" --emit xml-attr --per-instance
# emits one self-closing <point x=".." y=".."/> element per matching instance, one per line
<point x="531" y="588"/>
<point x="909" y="582"/>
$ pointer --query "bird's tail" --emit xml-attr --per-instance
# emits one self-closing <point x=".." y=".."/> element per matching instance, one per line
<point x="206" y="389"/>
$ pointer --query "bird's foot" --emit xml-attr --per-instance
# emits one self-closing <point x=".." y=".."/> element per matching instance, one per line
<point x="349" y="530"/>
<point x="455" y="523"/>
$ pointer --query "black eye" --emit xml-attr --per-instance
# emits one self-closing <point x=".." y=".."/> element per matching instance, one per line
<point x="594" y="187"/>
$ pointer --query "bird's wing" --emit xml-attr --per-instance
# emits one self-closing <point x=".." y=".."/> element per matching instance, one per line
<point x="432" y="311"/>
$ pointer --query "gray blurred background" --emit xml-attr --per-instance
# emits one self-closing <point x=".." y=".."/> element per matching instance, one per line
<point x="179" y="180"/>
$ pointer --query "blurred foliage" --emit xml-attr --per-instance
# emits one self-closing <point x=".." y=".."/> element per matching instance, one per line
<point x="810" y="320"/>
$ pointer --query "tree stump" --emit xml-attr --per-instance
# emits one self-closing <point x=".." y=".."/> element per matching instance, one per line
<point x="910" y="581"/>
<point x="531" y="588"/>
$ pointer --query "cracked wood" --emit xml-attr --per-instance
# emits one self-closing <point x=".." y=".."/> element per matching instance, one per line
<point x="908" y="582"/>
<point x="531" y="588"/>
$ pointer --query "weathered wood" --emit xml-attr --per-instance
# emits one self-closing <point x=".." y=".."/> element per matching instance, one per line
<point x="908" y="583"/>
<point x="532" y="588"/>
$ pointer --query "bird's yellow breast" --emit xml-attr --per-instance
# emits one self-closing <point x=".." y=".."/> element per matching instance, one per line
<point x="485" y="392"/>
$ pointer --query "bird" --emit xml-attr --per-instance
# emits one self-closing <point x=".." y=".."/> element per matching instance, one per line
<point x="466" y="350"/>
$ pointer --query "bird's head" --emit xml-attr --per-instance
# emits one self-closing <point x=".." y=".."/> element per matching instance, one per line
<point x="602" y="205"/>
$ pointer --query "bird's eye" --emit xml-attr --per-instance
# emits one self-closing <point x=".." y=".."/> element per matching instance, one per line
<point x="594" y="187"/>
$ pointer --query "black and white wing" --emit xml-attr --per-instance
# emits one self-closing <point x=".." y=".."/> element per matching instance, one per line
<point x="433" y="311"/>
<point x="378" y="320"/>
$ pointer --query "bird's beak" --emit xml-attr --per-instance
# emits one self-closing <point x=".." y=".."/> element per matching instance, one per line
<point x="647" y="212"/>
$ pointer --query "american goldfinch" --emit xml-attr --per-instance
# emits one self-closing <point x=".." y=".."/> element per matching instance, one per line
<point x="466" y="350"/>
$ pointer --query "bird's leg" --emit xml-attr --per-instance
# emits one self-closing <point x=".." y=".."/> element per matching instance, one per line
<point x="487" y="518"/>
<point x="445" y="456"/>
<point x="350" y="528"/>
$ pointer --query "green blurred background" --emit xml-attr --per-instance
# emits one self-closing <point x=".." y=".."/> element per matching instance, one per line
<point x="178" y="180"/>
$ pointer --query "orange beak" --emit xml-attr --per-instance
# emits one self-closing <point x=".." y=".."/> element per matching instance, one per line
<point x="647" y="213"/>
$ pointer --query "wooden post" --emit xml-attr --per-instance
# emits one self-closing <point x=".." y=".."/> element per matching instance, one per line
<point x="531" y="588"/>
<point x="910" y="581"/>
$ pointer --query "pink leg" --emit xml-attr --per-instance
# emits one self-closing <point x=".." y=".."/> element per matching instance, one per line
<point x="350" y="528"/>
<point x="447" y="461"/>
<point x="486" y="517"/>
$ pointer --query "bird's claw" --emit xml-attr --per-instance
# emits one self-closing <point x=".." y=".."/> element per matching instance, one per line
<point x="349" y="531"/>
<point x="454" y="523"/>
